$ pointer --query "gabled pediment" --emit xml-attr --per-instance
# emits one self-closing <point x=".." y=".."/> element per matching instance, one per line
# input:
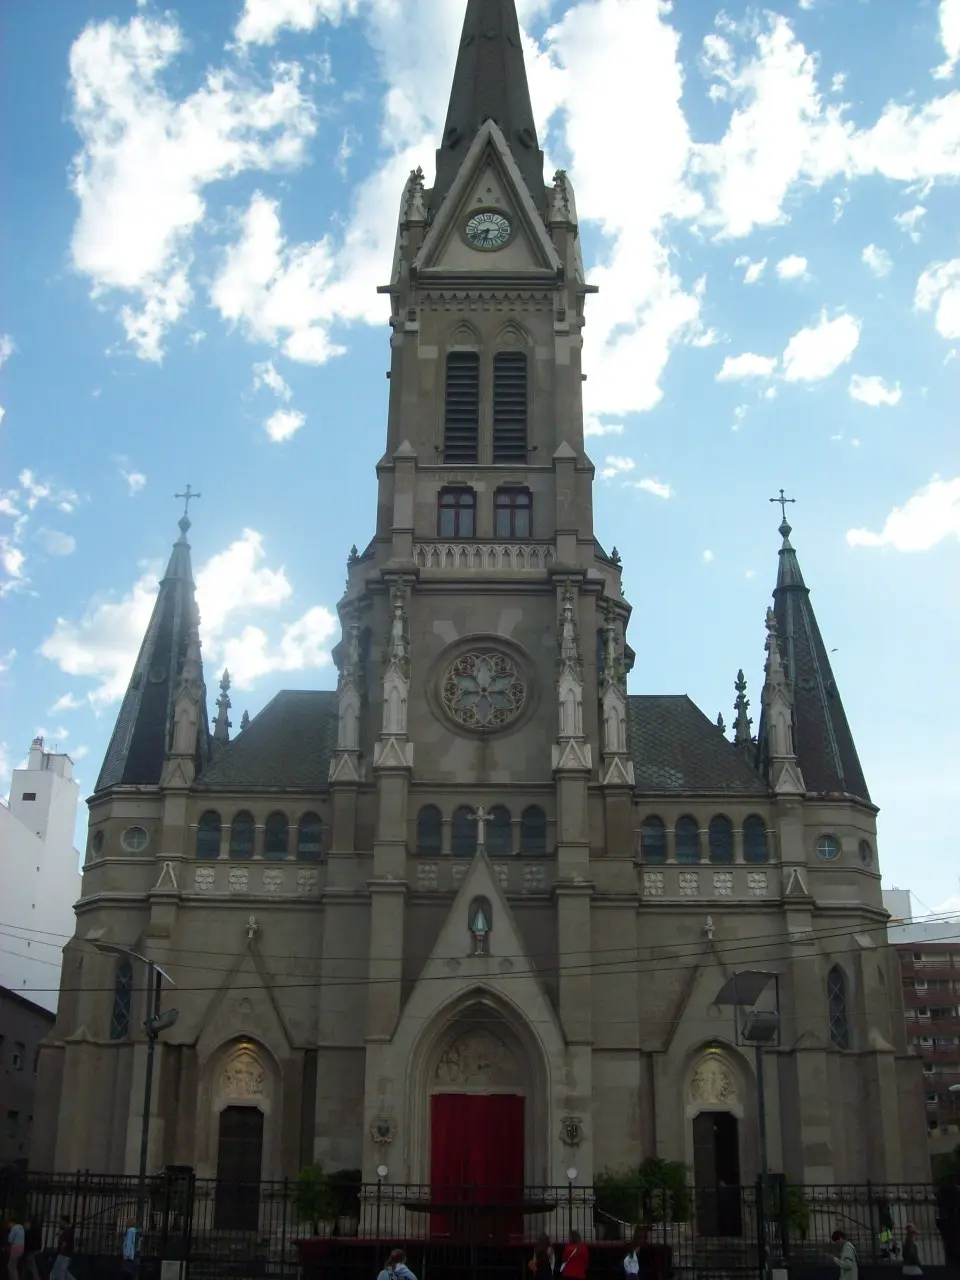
<point x="488" y="179"/>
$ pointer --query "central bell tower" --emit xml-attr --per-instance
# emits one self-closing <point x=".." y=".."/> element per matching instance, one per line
<point x="483" y="662"/>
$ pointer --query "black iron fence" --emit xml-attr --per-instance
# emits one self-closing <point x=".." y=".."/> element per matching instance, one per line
<point x="214" y="1230"/>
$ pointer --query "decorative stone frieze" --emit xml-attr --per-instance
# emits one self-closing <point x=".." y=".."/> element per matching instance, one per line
<point x="484" y="557"/>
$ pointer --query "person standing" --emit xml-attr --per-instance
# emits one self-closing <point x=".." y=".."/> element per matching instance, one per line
<point x="65" y="1247"/>
<point x="130" y="1249"/>
<point x="846" y="1257"/>
<point x="542" y="1262"/>
<point x="32" y="1248"/>
<point x="15" y="1237"/>
<point x="396" y="1267"/>
<point x="631" y="1263"/>
<point x="911" y="1254"/>
<point x="576" y="1258"/>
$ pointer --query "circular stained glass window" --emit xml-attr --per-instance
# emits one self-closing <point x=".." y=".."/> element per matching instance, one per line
<point x="134" y="839"/>
<point x="828" y="848"/>
<point x="483" y="690"/>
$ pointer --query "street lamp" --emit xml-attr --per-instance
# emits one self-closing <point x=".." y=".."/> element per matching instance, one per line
<point x="153" y="1024"/>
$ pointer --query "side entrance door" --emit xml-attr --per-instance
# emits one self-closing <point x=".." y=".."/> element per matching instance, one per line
<point x="239" y="1164"/>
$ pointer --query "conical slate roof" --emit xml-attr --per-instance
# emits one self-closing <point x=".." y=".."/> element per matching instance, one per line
<point x="144" y="726"/>
<point x="490" y="83"/>
<point x="823" y="741"/>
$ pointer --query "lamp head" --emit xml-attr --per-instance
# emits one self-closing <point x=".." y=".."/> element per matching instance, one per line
<point x="163" y="1022"/>
<point x="761" y="1026"/>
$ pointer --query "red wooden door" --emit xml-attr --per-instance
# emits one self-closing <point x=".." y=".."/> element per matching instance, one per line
<point x="476" y="1158"/>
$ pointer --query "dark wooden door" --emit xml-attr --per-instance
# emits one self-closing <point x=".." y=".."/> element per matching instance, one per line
<point x="476" y="1162"/>
<point x="239" y="1164"/>
<point x="716" y="1173"/>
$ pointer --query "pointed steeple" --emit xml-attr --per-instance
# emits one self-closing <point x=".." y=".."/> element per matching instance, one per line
<point x="490" y="83"/>
<point x="169" y="655"/>
<point x="823" y="743"/>
<point x="742" y="725"/>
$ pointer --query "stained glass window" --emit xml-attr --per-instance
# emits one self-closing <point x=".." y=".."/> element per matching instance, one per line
<point x="122" y="997"/>
<point x="755" y="840"/>
<point x="687" y="839"/>
<point x="653" y="840"/>
<point x="837" y="1007"/>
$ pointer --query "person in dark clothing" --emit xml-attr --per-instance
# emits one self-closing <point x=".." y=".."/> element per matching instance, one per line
<point x="32" y="1248"/>
<point x="911" y="1252"/>
<point x="541" y="1264"/>
<point x="948" y="1221"/>
<point x="65" y="1247"/>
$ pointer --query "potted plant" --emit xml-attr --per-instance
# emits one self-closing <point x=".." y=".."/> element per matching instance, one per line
<point x="652" y="1192"/>
<point x="313" y="1198"/>
<point x="345" y="1187"/>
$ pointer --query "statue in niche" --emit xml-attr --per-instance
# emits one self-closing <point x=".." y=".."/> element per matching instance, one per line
<point x="614" y="723"/>
<point x="713" y="1083"/>
<point x="570" y="695"/>
<point x="348" y="705"/>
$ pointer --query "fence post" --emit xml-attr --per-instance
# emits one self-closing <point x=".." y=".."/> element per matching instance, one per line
<point x="761" y="1226"/>
<point x="283" y="1232"/>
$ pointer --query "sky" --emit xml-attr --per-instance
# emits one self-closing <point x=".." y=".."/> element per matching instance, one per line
<point x="200" y="203"/>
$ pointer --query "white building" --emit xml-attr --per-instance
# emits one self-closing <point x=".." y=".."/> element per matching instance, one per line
<point x="39" y="874"/>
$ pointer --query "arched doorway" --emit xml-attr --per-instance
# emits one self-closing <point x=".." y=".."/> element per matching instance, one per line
<point x="242" y="1093"/>
<point x="714" y="1110"/>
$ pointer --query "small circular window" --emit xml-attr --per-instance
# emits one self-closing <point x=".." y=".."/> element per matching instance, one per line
<point x="97" y="842"/>
<point x="828" y="848"/>
<point x="866" y="853"/>
<point x="134" y="839"/>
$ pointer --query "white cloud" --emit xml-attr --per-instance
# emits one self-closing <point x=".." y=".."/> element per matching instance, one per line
<point x="79" y="753"/>
<point x="817" y="352"/>
<point x="279" y="294"/>
<point x="656" y="487"/>
<point x="752" y="270"/>
<point x="262" y="20"/>
<point x="792" y="267"/>
<point x="146" y="159"/>
<point x="283" y="423"/>
<point x="877" y="260"/>
<point x="707" y="557"/>
<point x="67" y="703"/>
<point x="54" y="542"/>
<point x="266" y="375"/>
<point x="750" y="573"/>
<point x="938" y="290"/>
<point x="949" y="38"/>
<point x="7" y="660"/>
<point x="739" y="417"/>
<point x="614" y="465"/>
<point x="592" y="426"/>
<point x="7" y="348"/>
<point x="135" y="481"/>
<point x="873" y="391"/>
<point x="231" y="585"/>
<point x="748" y="365"/>
<point x="925" y="519"/>
<point x="909" y="221"/>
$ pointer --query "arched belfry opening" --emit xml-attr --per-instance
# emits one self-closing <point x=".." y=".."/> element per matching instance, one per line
<point x="479" y="1103"/>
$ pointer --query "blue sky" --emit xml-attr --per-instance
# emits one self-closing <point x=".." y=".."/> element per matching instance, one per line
<point x="200" y="203"/>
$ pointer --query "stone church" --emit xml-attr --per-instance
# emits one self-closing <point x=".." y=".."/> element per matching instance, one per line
<point x="467" y="916"/>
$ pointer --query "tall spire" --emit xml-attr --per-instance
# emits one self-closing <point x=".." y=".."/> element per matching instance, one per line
<point x="824" y="745"/>
<point x="223" y="725"/>
<point x="170" y="651"/>
<point x="490" y="83"/>
<point x="742" y="725"/>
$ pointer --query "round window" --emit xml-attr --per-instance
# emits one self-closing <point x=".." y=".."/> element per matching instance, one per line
<point x="483" y="690"/>
<point x="828" y="848"/>
<point x="134" y="839"/>
<point x="866" y="853"/>
<point x="97" y="842"/>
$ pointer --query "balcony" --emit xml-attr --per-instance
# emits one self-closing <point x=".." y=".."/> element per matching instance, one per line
<point x="484" y="557"/>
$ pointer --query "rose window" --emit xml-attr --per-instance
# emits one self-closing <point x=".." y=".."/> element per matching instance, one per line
<point x="484" y="690"/>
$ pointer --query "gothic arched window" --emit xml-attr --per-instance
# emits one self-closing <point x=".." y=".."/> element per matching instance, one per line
<point x="533" y="830"/>
<point x="837" y="1008"/>
<point x="208" y="835"/>
<point x="687" y="839"/>
<point x="510" y="407"/>
<point x="310" y="838"/>
<point x="720" y="839"/>
<point x="122" y="997"/>
<point x="755" y="840"/>
<point x="429" y="830"/>
<point x="513" y="513"/>
<point x="241" y="836"/>
<point x="276" y="836"/>
<point x="463" y="834"/>
<point x="499" y="834"/>
<point x="653" y="840"/>
<point x="461" y="416"/>
<point x="457" y="513"/>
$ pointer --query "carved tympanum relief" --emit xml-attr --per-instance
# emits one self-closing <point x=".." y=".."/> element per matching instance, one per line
<point x="713" y="1083"/>
<point x="477" y="1058"/>
<point x="243" y="1076"/>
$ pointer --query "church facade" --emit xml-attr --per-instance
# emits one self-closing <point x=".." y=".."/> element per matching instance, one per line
<point x="467" y="916"/>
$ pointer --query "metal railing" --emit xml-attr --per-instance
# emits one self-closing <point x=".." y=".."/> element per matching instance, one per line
<point x="231" y="1229"/>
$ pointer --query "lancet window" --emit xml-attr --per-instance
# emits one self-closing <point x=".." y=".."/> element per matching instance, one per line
<point x="463" y="833"/>
<point x="122" y="998"/>
<point x="653" y="840"/>
<point x="241" y="836"/>
<point x="687" y="839"/>
<point x="499" y="835"/>
<point x="208" y="835"/>
<point x="429" y="830"/>
<point x="837" y="1008"/>
<point x="533" y="830"/>
<point x="755" y="840"/>
<point x="310" y="838"/>
<point x="276" y="836"/>
<point x="720" y="838"/>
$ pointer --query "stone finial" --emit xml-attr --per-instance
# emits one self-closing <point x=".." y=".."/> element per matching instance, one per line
<point x="222" y="725"/>
<point x="560" y="198"/>
<point x="615" y="557"/>
<point x="415" y="206"/>
<point x="398" y="649"/>
<point x="354" y="555"/>
<point x="720" y="725"/>
<point x="244" y="721"/>
<point x="743" y="723"/>
<point x="613" y="672"/>
<point x="569" y="648"/>
<point x="774" y="664"/>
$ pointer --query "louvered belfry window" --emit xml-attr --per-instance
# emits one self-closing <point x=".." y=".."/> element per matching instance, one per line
<point x="461" y="425"/>
<point x="510" y="407"/>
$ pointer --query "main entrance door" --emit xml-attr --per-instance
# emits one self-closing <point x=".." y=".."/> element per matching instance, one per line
<point x="476" y="1164"/>
<point x="716" y="1173"/>
<point x="239" y="1162"/>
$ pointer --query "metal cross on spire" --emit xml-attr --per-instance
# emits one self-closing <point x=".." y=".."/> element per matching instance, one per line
<point x="187" y="497"/>
<point x="782" y="500"/>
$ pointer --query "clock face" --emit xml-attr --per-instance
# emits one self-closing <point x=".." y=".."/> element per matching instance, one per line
<point x="488" y="230"/>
